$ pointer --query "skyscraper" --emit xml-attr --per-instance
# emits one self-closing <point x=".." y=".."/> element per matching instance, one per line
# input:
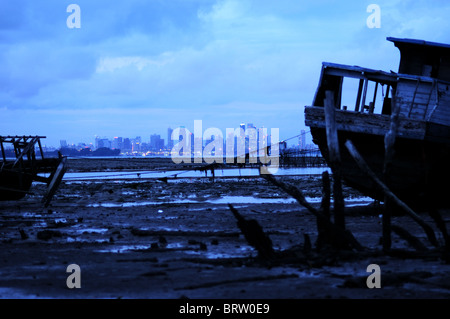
<point x="302" y="140"/>
<point x="127" y="144"/>
<point x="155" y="142"/>
<point x="169" y="138"/>
<point x="117" y="143"/>
<point x="242" y="126"/>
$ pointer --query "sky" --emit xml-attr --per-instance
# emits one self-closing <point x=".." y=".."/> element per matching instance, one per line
<point x="135" y="67"/>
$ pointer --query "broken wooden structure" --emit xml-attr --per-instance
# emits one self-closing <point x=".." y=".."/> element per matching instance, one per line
<point x="17" y="173"/>
<point x="395" y="150"/>
<point x="393" y="146"/>
<point x="420" y="89"/>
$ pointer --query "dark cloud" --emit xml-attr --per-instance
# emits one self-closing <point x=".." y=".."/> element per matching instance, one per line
<point x="190" y="58"/>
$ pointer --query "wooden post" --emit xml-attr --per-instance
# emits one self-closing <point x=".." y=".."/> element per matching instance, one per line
<point x="323" y="236"/>
<point x="387" y="192"/>
<point x="389" y="141"/>
<point x="3" y="151"/>
<point x="358" y="97"/>
<point x="366" y="83"/>
<point x="335" y="158"/>
<point x="325" y="204"/>
<point x="40" y="148"/>
<point x="374" y="98"/>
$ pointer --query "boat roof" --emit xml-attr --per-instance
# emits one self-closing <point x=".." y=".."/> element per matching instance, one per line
<point x="418" y="42"/>
<point x="419" y="57"/>
<point x="371" y="74"/>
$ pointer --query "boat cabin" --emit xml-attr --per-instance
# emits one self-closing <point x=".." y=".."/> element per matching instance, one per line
<point x="420" y="89"/>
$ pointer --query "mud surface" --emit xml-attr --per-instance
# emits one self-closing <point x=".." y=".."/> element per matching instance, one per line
<point x="145" y="238"/>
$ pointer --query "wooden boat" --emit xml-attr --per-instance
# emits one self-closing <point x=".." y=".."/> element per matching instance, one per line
<point x="17" y="174"/>
<point x="420" y="171"/>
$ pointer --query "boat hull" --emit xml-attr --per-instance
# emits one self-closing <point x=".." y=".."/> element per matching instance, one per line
<point x="14" y="185"/>
<point x="419" y="174"/>
<point x="15" y="182"/>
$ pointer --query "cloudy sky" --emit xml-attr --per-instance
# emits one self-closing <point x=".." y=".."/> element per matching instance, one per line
<point x="136" y="67"/>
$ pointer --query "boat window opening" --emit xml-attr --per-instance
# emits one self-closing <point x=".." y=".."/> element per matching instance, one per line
<point x="370" y="96"/>
<point x="387" y="100"/>
<point x="349" y="87"/>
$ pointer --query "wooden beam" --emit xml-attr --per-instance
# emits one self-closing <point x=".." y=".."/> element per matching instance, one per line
<point x="358" y="97"/>
<point x="414" y="97"/>
<point x="26" y="150"/>
<point x="374" y="98"/>
<point x="366" y="82"/>
<point x="389" y="142"/>
<point x="40" y="148"/>
<point x="334" y="158"/>
<point x="341" y="238"/>
<point x="387" y="192"/>
<point x="3" y="151"/>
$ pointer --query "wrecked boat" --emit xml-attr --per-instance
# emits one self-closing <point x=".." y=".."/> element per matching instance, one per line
<point x="364" y="100"/>
<point x="17" y="173"/>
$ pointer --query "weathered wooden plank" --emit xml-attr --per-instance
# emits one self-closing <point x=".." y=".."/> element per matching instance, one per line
<point x="377" y="124"/>
<point x="55" y="181"/>
<point x="419" y="99"/>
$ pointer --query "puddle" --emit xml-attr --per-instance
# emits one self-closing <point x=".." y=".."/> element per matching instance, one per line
<point x="145" y="203"/>
<point x="250" y="200"/>
<point x="212" y="253"/>
<point x="123" y="248"/>
<point x="92" y="230"/>
<point x="34" y="215"/>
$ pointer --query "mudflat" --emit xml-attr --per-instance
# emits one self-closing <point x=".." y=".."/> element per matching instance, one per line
<point x="147" y="238"/>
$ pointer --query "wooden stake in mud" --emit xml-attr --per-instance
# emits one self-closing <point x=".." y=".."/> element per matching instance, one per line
<point x="335" y="158"/>
<point x="389" y="141"/>
<point x="387" y="192"/>
<point x="323" y="236"/>
<point x="341" y="238"/>
<point x="254" y="234"/>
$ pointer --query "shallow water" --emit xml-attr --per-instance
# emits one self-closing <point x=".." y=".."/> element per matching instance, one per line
<point x="232" y="200"/>
<point x="234" y="172"/>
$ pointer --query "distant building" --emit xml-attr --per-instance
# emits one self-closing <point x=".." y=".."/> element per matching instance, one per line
<point x="169" y="138"/>
<point x="156" y="143"/>
<point x="103" y="142"/>
<point x="252" y="140"/>
<point x="302" y="140"/>
<point x="136" y="144"/>
<point x="63" y="143"/>
<point x="117" y="143"/>
<point x="126" y="145"/>
<point x="242" y="126"/>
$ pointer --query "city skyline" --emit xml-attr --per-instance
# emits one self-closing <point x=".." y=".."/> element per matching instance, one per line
<point x="158" y="141"/>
